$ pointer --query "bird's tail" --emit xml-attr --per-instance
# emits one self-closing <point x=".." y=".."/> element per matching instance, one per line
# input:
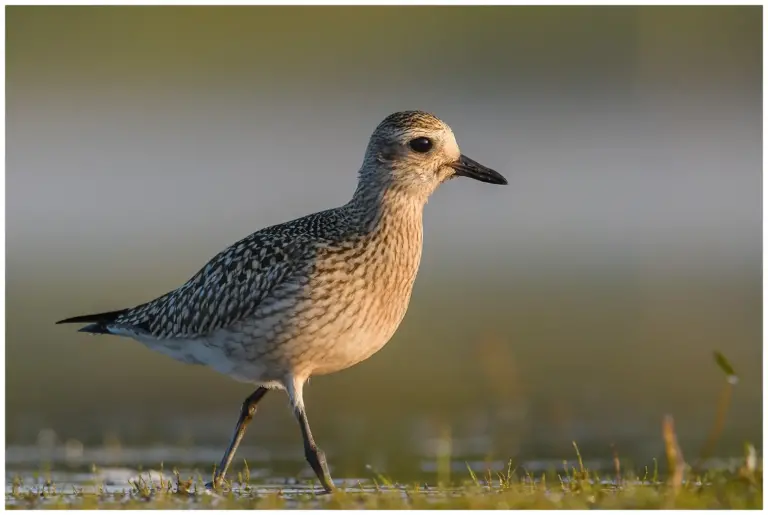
<point x="98" y="321"/>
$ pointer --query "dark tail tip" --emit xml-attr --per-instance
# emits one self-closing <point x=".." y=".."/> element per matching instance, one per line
<point x="98" y="321"/>
<point x="99" y="328"/>
<point x="107" y="317"/>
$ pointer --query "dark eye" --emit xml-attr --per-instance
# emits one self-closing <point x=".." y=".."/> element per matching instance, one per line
<point x="421" y="145"/>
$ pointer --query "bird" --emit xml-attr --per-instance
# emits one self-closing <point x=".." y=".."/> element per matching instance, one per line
<point x="314" y="295"/>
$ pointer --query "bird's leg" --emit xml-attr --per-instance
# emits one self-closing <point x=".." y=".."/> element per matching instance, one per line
<point x="315" y="457"/>
<point x="312" y="452"/>
<point x="246" y="415"/>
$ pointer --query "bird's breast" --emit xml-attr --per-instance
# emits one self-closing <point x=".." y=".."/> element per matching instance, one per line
<point x="363" y="292"/>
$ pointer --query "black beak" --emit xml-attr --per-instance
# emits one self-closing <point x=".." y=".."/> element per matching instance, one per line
<point x="474" y="170"/>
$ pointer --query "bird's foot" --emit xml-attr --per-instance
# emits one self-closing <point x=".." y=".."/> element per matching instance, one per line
<point x="317" y="461"/>
<point x="328" y="488"/>
<point x="215" y="484"/>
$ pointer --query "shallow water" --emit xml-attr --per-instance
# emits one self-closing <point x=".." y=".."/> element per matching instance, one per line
<point x="67" y="466"/>
<point x="68" y="485"/>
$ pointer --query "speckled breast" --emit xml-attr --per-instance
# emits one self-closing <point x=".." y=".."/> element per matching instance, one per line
<point x="363" y="294"/>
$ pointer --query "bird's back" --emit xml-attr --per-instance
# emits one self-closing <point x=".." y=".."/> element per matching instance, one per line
<point x="237" y="280"/>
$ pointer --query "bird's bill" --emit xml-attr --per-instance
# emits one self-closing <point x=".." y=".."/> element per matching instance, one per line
<point x="467" y="167"/>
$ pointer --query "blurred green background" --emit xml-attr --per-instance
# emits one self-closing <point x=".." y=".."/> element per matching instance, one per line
<point x="582" y="302"/>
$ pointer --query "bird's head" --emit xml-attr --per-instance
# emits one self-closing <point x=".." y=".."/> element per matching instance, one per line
<point x="415" y="152"/>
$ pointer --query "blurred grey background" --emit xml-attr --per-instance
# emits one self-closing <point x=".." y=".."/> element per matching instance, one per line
<point x="582" y="302"/>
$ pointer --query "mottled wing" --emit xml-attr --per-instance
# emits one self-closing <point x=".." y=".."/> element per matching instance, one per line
<point x="226" y="290"/>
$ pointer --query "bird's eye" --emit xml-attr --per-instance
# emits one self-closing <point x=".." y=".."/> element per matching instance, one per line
<point x="421" y="145"/>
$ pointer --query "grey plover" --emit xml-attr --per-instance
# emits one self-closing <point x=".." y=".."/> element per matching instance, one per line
<point x="314" y="295"/>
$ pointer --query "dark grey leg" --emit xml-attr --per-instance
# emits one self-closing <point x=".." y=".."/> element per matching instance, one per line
<point x="314" y="455"/>
<point x="246" y="415"/>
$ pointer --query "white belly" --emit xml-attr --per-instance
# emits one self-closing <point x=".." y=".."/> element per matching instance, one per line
<point x="212" y="352"/>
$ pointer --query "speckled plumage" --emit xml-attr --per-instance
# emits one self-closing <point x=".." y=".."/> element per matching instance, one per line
<point x="314" y="295"/>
